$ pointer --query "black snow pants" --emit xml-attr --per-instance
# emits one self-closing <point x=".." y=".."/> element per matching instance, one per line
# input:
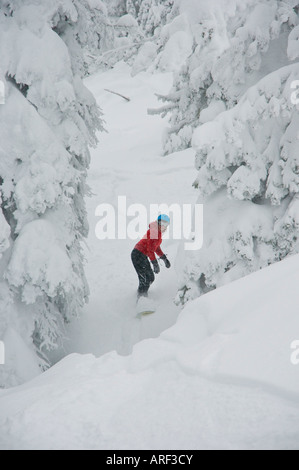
<point x="145" y="273"/>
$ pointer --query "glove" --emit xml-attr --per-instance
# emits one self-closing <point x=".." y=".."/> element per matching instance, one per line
<point x="166" y="261"/>
<point x="156" y="266"/>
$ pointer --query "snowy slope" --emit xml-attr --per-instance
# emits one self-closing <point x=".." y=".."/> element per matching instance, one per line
<point x="221" y="378"/>
<point x="128" y="163"/>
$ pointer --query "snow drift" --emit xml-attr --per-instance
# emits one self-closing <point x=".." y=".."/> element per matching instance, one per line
<point x="222" y="377"/>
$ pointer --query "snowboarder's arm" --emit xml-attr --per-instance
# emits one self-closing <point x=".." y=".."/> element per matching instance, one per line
<point x="150" y="249"/>
<point x="159" y="252"/>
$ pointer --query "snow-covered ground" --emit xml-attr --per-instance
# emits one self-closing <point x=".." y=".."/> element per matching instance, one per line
<point x="221" y="378"/>
<point x="128" y="163"/>
<point x="217" y="375"/>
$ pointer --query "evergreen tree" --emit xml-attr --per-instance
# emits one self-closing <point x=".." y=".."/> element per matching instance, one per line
<point x="116" y="8"/>
<point x="133" y="7"/>
<point x="87" y="33"/>
<point x="235" y="43"/>
<point x="137" y="27"/>
<point x="152" y="14"/>
<point x="247" y="161"/>
<point x="47" y="123"/>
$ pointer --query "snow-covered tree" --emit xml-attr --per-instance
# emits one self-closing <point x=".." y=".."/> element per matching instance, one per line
<point x="247" y="161"/>
<point x="235" y="43"/>
<point x="133" y="7"/>
<point x="86" y="29"/>
<point x="152" y="14"/>
<point x="137" y="40"/>
<point x="116" y="8"/>
<point x="46" y="125"/>
<point x="167" y="44"/>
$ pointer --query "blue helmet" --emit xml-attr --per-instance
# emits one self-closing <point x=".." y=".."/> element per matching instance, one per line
<point x="164" y="218"/>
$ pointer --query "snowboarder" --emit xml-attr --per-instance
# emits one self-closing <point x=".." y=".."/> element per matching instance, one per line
<point x="146" y="248"/>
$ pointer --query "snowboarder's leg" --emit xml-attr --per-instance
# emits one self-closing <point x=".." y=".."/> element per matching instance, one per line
<point x="150" y="274"/>
<point x="147" y="278"/>
<point x="144" y="271"/>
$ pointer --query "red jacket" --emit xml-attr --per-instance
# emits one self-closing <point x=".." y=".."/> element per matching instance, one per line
<point x="150" y="243"/>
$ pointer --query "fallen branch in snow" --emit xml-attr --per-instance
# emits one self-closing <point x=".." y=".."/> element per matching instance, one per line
<point x="118" y="94"/>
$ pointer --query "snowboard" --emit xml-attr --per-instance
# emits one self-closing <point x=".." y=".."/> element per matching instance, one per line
<point x="145" y="306"/>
